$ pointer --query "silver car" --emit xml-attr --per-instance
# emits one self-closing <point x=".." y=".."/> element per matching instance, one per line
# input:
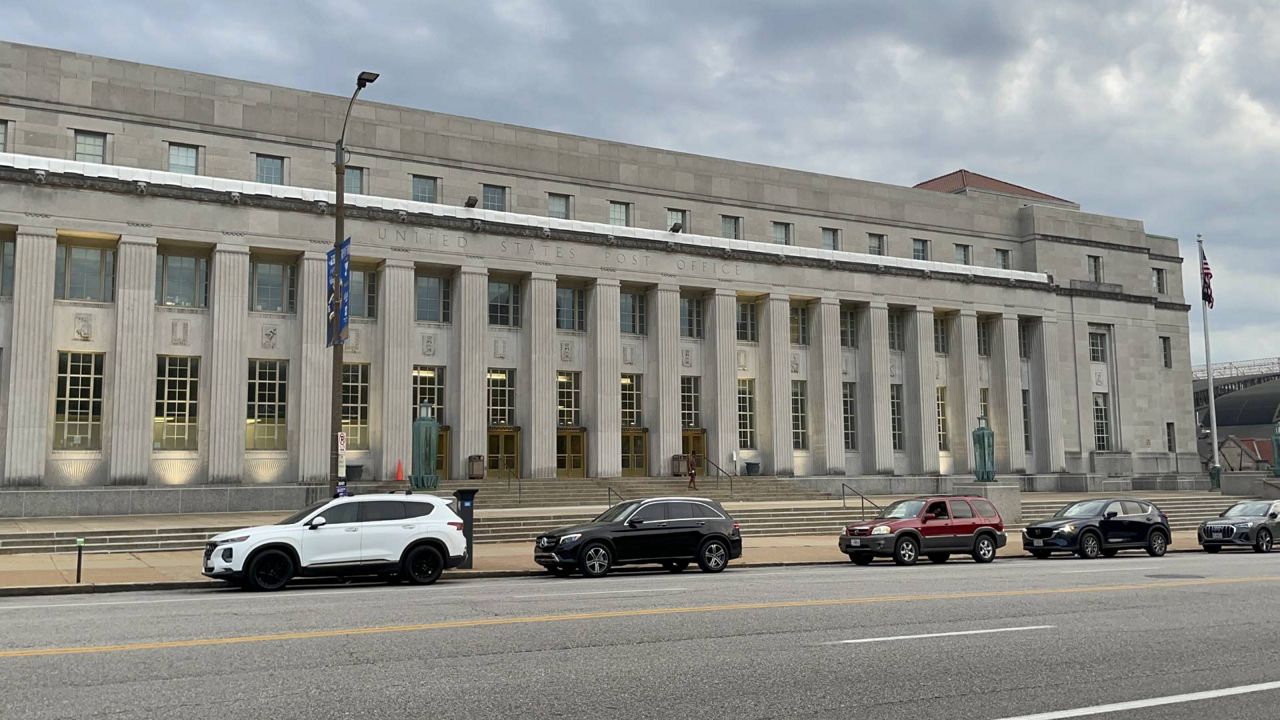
<point x="1249" y="523"/>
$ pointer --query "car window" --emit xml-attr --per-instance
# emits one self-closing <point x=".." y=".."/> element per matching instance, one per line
<point x="985" y="509"/>
<point x="417" y="509"/>
<point x="939" y="509"/>
<point x="706" y="511"/>
<point x="961" y="509"/>
<point x="377" y="510"/>
<point x="1082" y="509"/>
<point x="303" y="514"/>
<point x="340" y="514"/>
<point x="1114" y="507"/>
<point x="650" y="513"/>
<point x="1133" y="507"/>
<point x="682" y="511"/>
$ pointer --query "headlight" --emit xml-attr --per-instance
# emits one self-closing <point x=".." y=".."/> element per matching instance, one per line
<point x="228" y="541"/>
<point x="570" y="538"/>
<point x="1244" y="525"/>
<point x="881" y="530"/>
<point x="1067" y="529"/>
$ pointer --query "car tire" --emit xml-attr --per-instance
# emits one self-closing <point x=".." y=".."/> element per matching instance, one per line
<point x="1090" y="546"/>
<point x="713" y="556"/>
<point x="1263" y="542"/>
<point x="422" y="565"/>
<point x="984" y="549"/>
<point x="1211" y="548"/>
<point x="1157" y="543"/>
<point x="906" y="551"/>
<point x="595" y="561"/>
<point x="560" y="572"/>
<point x="675" y="566"/>
<point x="268" y="571"/>
<point x="1041" y="554"/>
<point x="939" y="558"/>
<point x="862" y="559"/>
<point x="1110" y="552"/>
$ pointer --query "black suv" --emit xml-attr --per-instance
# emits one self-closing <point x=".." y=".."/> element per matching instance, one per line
<point x="1100" y="526"/>
<point x="671" y="531"/>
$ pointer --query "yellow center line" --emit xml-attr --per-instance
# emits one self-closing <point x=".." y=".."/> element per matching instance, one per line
<point x="610" y="614"/>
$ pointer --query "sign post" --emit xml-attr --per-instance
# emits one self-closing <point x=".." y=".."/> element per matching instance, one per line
<point x="342" y="464"/>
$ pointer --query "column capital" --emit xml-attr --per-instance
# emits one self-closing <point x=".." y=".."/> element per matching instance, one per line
<point x="396" y="264"/>
<point x="829" y="300"/>
<point x="968" y="312"/>
<point x="542" y="276"/>
<point x="608" y="282"/>
<point x="473" y="270"/>
<point x="145" y="240"/>
<point x="37" y="231"/>
<point x="725" y="292"/>
<point x="315" y="255"/>
<point x="878" y="305"/>
<point x="778" y="297"/>
<point x="229" y="249"/>
<point x="667" y="287"/>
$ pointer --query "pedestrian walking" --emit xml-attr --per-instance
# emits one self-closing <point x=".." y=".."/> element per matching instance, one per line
<point x="693" y="473"/>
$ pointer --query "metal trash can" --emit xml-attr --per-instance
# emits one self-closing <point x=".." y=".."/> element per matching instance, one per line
<point x="679" y="465"/>
<point x="475" y="467"/>
<point x="753" y="468"/>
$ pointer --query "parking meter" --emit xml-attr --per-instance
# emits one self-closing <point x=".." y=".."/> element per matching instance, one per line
<point x="467" y="511"/>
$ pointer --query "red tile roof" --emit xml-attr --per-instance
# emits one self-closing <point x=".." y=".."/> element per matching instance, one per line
<point x="960" y="180"/>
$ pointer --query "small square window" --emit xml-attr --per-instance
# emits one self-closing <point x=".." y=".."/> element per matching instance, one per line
<point x="353" y="180"/>
<point x="270" y="169"/>
<point x="1003" y="260"/>
<point x="1095" y="268"/>
<point x="619" y="213"/>
<point x="91" y="147"/>
<point x="184" y="159"/>
<point x="558" y="206"/>
<point x="1159" y="282"/>
<point x="830" y="239"/>
<point x="676" y="216"/>
<point x="495" y="198"/>
<point x="426" y="189"/>
<point x="782" y="233"/>
<point x="919" y="249"/>
<point x="875" y="244"/>
<point x="731" y="227"/>
<point x="964" y="254"/>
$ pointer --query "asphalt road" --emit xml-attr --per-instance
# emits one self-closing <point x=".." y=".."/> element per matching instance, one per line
<point x="1009" y="640"/>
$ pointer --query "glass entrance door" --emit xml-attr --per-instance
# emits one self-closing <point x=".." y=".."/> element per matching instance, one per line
<point x="635" y="455"/>
<point x="694" y="442"/>
<point x="571" y="453"/>
<point x="504" y="451"/>
<point x="442" y="453"/>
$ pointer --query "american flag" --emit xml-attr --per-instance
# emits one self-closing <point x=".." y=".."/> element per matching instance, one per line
<point x="1206" y="275"/>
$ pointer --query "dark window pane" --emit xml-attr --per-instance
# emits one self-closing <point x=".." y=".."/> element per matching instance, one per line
<point x="340" y="514"/>
<point x="381" y="510"/>
<point x="417" y="509"/>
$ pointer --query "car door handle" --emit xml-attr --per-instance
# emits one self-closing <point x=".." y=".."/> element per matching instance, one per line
<point x="702" y="522"/>
<point x="353" y="529"/>
<point x="408" y="527"/>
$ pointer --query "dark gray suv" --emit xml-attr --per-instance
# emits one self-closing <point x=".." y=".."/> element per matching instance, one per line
<point x="1250" y="523"/>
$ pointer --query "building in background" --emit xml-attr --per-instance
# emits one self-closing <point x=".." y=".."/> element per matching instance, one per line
<point x="163" y="311"/>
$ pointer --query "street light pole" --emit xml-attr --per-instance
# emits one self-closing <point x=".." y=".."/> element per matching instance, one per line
<point x="335" y="300"/>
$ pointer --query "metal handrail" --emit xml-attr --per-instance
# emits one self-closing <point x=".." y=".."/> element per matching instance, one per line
<point x="610" y="496"/>
<point x="721" y="471"/>
<point x="862" y="511"/>
<point x="513" y="475"/>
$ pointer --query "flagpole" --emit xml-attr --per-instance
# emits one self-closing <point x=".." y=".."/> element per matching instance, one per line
<point x="1215" y="470"/>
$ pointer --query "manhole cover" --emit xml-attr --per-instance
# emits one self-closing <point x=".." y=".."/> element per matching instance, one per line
<point x="1176" y="577"/>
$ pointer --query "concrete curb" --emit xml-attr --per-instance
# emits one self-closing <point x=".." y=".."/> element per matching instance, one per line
<point x="97" y="588"/>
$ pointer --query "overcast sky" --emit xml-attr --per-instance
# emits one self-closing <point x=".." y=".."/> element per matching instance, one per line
<point x="1161" y="111"/>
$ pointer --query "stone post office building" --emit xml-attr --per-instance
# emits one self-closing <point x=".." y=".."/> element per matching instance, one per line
<point x="163" y="312"/>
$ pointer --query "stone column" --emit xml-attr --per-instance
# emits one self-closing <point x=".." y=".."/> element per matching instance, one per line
<point x="1006" y="396"/>
<point x="962" y="395"/>
<point x="875" y="437"/>
<point x="720" y="370"/>
<point x="774" y="412"/>
<point x="228" y="366"/>
<point x="664" y="438"/>
<point x="826" y="393"/>
<point x="540" y="435"/>
<point x="468" y="366"/>
<point x="31" y="357"/>
<point x="314" y="376"/>
<point x="922" y="393"/>
<point x="1046" y="403"/>
<point x="395" y="315"/>
<point x="604" y="437"/>
<point x="133" y="390"/>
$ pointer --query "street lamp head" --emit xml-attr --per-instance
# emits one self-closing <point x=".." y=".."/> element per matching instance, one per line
<point x="365" y="78"/>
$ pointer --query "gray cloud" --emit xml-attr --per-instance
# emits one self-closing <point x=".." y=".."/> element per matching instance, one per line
<point x="1161" y="111"/>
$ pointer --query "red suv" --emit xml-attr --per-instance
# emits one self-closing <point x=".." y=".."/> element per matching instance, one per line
<point x="934" y="527"/>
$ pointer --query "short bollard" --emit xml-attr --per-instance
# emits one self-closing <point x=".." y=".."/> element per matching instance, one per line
<point x="79" y="558"/>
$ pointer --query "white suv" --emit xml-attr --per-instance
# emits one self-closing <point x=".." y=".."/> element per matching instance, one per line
<point x="409" y="537"/>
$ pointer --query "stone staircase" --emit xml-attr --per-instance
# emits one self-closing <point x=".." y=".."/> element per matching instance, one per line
<point x="1185" y="511"/>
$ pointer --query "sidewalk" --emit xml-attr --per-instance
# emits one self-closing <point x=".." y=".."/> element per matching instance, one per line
<point x="59" y="569"/>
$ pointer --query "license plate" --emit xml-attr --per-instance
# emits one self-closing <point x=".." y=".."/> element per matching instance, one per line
<point x="855" y="542"/>
<point x="1037" y="543"/>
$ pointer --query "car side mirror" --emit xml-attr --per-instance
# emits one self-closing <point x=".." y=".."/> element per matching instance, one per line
<point x="1110" y="514"/>
<point x="317" y="522"/>
<point x="1273" y="516"/>
<point x="930" y="516"/>
<point x="635" y="522"/>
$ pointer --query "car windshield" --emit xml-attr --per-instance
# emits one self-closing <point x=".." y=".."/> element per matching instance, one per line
<point x="617" y="511"/>
<point x="902" y="509"/>
<point x="1248" y="509"/>
<point x="297" y="517"/>
<point x="1084" y="508"/>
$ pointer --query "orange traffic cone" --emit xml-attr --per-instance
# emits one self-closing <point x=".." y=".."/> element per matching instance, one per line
<point x="399" y="471"/>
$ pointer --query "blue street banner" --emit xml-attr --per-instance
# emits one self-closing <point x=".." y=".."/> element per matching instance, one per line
<point x="344" y="308"/>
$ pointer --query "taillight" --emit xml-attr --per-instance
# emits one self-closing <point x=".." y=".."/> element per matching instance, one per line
<point x="737" y="527"/>
<point x="456" y="525"/>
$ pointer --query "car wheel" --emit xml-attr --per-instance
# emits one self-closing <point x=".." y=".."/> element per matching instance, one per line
<point x="984" y="550"/>
<point x="596" y="561"/>
<point x="1110" y="552"/>
<point x="1157" y="543"/>
<point x="269" y="570"/>
<point x="1041" y="554"/>
<point x="675" y="566"/>
<point x="939" y="558"/>
<point x="861" y="558"/>
<point x="713" y="556"/>
<point x="1212" y="548"/>
<point x="906" y="552"/>
<point x="559" y="571"/>
<point x="1090" y="546"/>
<point x="1263" y="542"/>
<point x="423" y="565"/>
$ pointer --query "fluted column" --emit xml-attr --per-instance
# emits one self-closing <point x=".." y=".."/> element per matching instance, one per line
<point x="1006" y="396"/>
<point x="314" y="375"/>
<point x="962" y="396"/>
<point x="720" y="368"/>
<point x="922" y="393"/>
<point x="775" y="365"/>
<point x="826" y="394"/>
<point x="540" y="436"/>
<point x="395" y="316"/>
<point x="876" y="437"/>
<point x="604" y="440"/>
<point x="133" y="388"/>
<point x="228" y="365"/>
<point x="665" y="442"/>
<point x="1046" y="399"/>
<point x="468" y="366"/>
<point x="30" y="357"/>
